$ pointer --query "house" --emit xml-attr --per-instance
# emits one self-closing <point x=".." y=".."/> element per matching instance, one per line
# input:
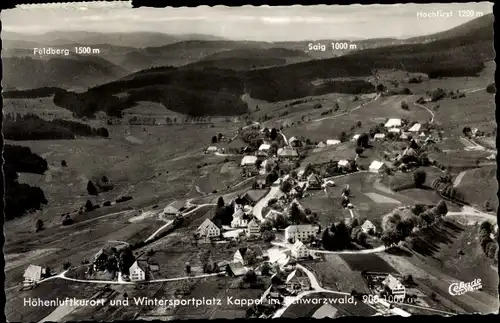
<point x="314" y="182"/>
<point x="252" y="197"/>
<point x="299" y="250"/>
<point x="208" y="229"/>
<point x="260" y="182"/>
<point x="394" y="130"/>
<point x="415" y="128"/>
<point x="355" y="137"/>
<point x="101" y="258"/>
<point x="397" y="289"/>
<point x="321" y="145"/>
<point x="368" y="227"/>
<point x="325" y="311"/>
<point x="240" y="219"/>
<point x="302" y="232"/>
<point x="288" y="152"/>
<point x="272" y="214"/>
<point x="379" y="136"/>
<point x="241" y="255"/>
<point x="253" y="228"/>
<point x="174" y="208"/>
<point x="391" y="123"/>
<point x="264" y="147"/>
<point x="292" y="140"/>
<point x="332" y="142"/>
<point x="422" y="135"/>
<point x="139" y="270"/>
<point x="377" y="166"/>
<point x="34" y="274"/>
<point x="300" y="174"/>
<point x="235" y="269"/>
<point x="295" y="282"/>
<point x="211" y="150"/>
<point x="248" y="161"/>
<point x="343" y="163"/>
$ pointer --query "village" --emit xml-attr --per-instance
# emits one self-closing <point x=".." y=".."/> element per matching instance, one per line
<point x="273" y="233"/>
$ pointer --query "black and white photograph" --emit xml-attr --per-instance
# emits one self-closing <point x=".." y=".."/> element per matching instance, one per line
<point x="249" y="162"/>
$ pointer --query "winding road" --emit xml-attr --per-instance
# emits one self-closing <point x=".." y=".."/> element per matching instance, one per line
<point x="274" y="192"/>
<point x="426" y="108"/>
<point x="353" y="109"/>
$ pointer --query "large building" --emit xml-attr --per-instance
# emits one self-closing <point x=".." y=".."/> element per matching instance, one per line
<point x="288" y="152"/>
<point x="33" y="274"/>
<point x="138" y="271"/>
<point x="299" y="250"/>
<point x="392" y="123"/>
<point x="253" y="228"/>
<point x="302" y="232"/>
<point x="377" y="166"/>
<point x="208" y="229"/>
<point x="397" y="289"/>
<point x="248" y="160"/>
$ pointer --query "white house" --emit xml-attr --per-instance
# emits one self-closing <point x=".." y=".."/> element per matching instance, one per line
<point x="377" y="166"/>
<point x="240" y="219"/>
<point x="137" y="272"/>
<point x="343" y="163"/>
<point x="397" y="289"/>
<point x="288" y="152"/>
<point x="301" y="232"/>
<point x="33" y="274"/>
<point x="395" y="130"/>
<point x="393" y="122"/>
<point x="265" y="147"/>
<point x="422" y="135"/>
<point x="321" y="145"/>
<point x="208" y="229"/>
<point x="211" y="149"/>
<point x="253" y="228"/>
<point x="415" y="128"/>
<point x="355" y="137"/>
<point x="293" y="139"/>
<point x="332" y="142"/>
<point x="296" y="283"/>
<point x="379" y="136"/>
<point x="299" y="250"/>
<point x="248" y="160"/>
<point x="368" y="227"/>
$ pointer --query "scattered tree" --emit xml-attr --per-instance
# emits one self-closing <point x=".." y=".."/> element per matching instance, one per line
<point x="404" y="105"/>
<point x="63" y="163"/>
<point x="188" y="268"/>
<point x="363" y="140"/>
<point x="214" y="139"/>
<point x="91" y="189"/>
<point x="66" y="265"/>
<point x="220" y="202"/>
<point x="359" y="150"/>
<point x="268" y="236"/>
<point x="274" y="134"/>
<point x="266" y="269"/>
<point x="250" y="277"/>
<point x="419" y="177"/>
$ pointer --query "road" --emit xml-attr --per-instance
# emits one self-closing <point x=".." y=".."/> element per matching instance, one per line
<point x="458" y="179"/>
<point x="343" y="252"/>
<point x="284" y="137"/>
<point x="472" y="215"/>
<point x="274" y="192"/>
<point x="151" y="237"/>
<point x="353" y="109"/>
<point x="426" y="108"/>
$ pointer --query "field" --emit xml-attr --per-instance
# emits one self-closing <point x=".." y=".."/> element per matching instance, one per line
<point x="43" y="107"/>
<point x="480" y="186"/>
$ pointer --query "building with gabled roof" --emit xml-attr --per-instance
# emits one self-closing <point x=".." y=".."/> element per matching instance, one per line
<point x="393" y="122"/>
<point x="264" y="147"/>
<point x="253" y="228"/>
<point x="321" y="144"/>
<point x="240" y="219"/>
<point x="355" y="137"/>
<point x="299" y="250"/>
<point x="241" y="254"/>
<point x="368" y="227"/>
<point x="343" y="163"/>
<point x="394" y="130"/>
<point x="208" y="229"/>
<point x="295" y="282"/>
<point x="379" y="136"/>
<point x="332" y="142"/>
<point x="288" y="152"/>
<point x="174" y="208"/>
<point x="236" y="269"/>
<point x="34" y="274"/>
<point x="397" y="289"/>
<point x="211" y="149"/>
<point x="302" y="232"/>
<point x="415" y="128"/>
<point x="248" y="160"/>
<point x="139" y="270"/>
<point x="377" y="166"/>
<point x="314" y="182"/>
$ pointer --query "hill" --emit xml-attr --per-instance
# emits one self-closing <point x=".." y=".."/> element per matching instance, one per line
<point x="133" y="39"/>
<point x="64" y="72"/>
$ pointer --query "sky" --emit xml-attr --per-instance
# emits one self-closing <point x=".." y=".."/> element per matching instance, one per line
<point x="263" y="23"/>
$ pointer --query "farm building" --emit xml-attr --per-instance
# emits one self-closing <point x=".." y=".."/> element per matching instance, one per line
<point x="240" y="219"/>
<point x="393" y="122"/>
<point x="260" y="181"/>
<point x="174" y="208"/>
<point x="299" y="250"/>
<point x="253" y="228"/>
<point x="301" y="232"/>
<point x="314" y="182"/>
<point x="34" y="274"/>
<point x="211" y="150"/>
<point x="139" y="270"/>
<point x="343" y="163"/>
<point x="379" y="136"/>
<point x="397" y="289"/>
<point x="355" y="137"/>
<point x="377" y="166"/>
<point x="415" y="128"/>
<point x="368" y="227"/>
<point x="332" y="142"/>
<point x="208" y="229"/>
<point x="321" y="145"/>
<point x="395" y="130"/>
<point x="288" y="152"/>
<point x="248" y="161"/>
<point x="295" y="282"/>
<point x="325" y="311"/>
<point x="265" y="147"/>
<point x="241" y="255"/>
<point x="235" y="269"/>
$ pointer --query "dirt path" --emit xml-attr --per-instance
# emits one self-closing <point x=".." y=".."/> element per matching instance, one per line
<point x="352" y="110"/>
<point x="458" y="179"/>
<point x="428" y="110"/>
